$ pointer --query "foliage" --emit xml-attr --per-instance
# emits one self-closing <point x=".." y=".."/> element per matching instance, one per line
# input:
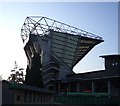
<point x="33" y="75"/>
<point x="16" y="75"/>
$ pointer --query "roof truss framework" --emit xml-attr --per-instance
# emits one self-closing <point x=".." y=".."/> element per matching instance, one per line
<point x="42" y="25"/>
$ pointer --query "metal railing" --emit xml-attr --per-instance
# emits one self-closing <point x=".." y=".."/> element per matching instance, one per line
<point x="88" y="99"/>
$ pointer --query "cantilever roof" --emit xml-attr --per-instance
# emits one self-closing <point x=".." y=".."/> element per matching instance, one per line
<point x="112" y="55"/>
<point x="70" y="44"/>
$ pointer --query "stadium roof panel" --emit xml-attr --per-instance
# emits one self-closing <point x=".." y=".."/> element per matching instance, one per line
<point x="71" y="48"/>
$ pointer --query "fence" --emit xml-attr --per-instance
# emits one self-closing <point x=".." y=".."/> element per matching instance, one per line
<point x="88" y="99"/>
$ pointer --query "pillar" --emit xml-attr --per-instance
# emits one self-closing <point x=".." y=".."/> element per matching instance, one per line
<point x="93" y="86"/>
<point x="78" y="87"/>
<point x="109" y="87"/>
<point x="58" y="86"/>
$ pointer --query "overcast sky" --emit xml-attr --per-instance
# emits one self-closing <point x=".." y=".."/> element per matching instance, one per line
<point x="98" y="18"/>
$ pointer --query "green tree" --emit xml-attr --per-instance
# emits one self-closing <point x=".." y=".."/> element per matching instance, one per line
<point x="17" y="74"/>
<point x="33" y="75"/>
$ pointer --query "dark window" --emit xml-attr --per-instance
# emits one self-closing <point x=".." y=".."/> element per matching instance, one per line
<point x="18" y="98"/>
<point x="30" y="96"/>
<point x="25" y="96"/>
<point x="41" y="96"/>
<point x="37" y="97"/>
<point x="34" y="98"/>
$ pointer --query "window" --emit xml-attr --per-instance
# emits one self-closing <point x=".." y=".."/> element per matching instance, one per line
<point x="116" y="63"/>
<point x="25" y="96"/>
<point x="30" y="97"/>
<point x="37" y="97"/>
<point x="113" y="64"/>
<point x="34" y="98"/>
<point x="18" y="98"/>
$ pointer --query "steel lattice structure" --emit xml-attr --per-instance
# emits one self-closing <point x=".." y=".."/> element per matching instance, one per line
<point x="39" y="25"/>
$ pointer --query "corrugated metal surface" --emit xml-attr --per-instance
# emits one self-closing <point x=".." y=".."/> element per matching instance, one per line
<point x="71" y="48"/>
